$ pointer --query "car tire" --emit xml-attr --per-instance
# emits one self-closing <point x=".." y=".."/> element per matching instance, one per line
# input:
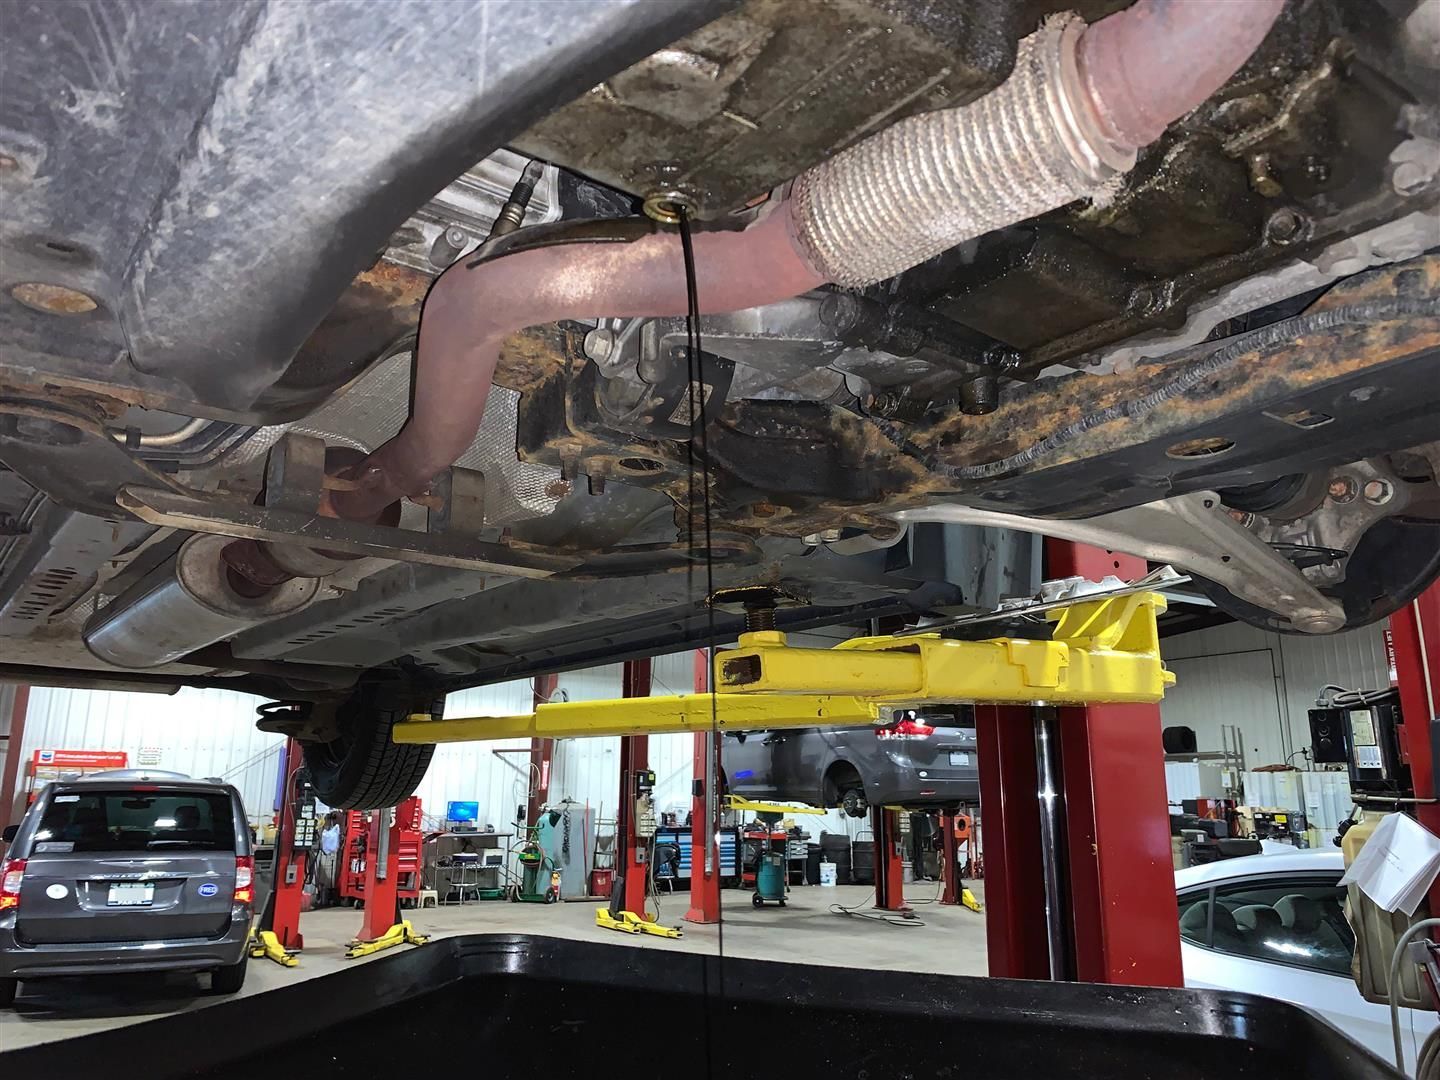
<point x="8" y="989"/>
<point x="362" y="769"/>
<point x="229" y="980"/>
<point x="854" y="804"/>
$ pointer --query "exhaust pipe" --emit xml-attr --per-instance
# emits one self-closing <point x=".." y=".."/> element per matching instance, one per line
<point x="1079" y="104"/>
<point x="183" y="605"/>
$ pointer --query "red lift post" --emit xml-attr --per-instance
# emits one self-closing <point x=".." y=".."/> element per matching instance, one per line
<point x="13" y="741"/>
<point x="382" y="875"/>
<point x="392" y="866"/>
<point x="289" y="866"/>
<point x="634" y="758"/>
<point x="954" y="831"/>
<point x="1415" y="633"/>
<point x="704" y="810"/>
<point x="889" y="859"/>
<point x="542" y="751"/>
<point x="1076" y="821"/>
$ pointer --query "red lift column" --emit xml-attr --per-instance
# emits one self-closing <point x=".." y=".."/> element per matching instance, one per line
<point x="634" y="757"/>
<point x="889" y="860"/>
<point x="1111" y="854"/>
<point x="1015" y="936"/>
<point x="1118" y="858"/>
<point x="19" y="707"/>
<point x="289" y="867"/>
<point x="1415" y="632"/>
<point x="704" y="810"/>
<point x="952" y="883"/>
<point x="542" y="751"/>
<point x="382" y="873"/>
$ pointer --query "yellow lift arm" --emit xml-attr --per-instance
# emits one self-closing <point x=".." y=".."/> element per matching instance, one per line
<point x="735" y="802"/>
<point x="1105" y="650"/>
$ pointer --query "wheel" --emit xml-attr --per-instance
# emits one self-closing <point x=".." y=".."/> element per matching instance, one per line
<point x="854" y="804"/>
<point x="756" y="900"/>
<point x="514" y="894"/>
<point x="229" y="980"/>
<point x="782" y="903"/>
<point x="8" y="989"/>
<point x="549" y="896"/>
<point x="362" y="769"/>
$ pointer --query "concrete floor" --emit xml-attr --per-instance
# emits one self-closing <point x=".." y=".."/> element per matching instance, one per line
<point x="946" y="940"/>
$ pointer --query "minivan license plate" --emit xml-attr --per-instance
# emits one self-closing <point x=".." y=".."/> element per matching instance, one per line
<point x="959" y="757"/>
<point x="130" y="894"/>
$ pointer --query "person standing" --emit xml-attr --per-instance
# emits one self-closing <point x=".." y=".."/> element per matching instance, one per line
<point x="327" y="859"/>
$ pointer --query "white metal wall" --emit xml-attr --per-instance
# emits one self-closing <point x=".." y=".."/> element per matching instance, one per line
<point x="1241" y="689"/>
<point x="588" y="770"/>
<point x="1264" y="682"/>
<point x="197" y="732"/>
<point x="466" y="772"/>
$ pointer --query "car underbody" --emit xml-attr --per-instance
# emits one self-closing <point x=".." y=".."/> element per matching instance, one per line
<point x="221" y="225"/>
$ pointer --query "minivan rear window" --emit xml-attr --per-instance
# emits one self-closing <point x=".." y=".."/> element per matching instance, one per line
<point x="127" y="820"/>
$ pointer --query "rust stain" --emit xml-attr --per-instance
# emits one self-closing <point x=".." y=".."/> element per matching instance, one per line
<point x="533" y="355"/>
<point x="53" y="299"/>
<point x="1275" y="372"/>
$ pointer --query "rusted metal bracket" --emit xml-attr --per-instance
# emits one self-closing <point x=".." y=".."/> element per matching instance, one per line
<point x="227" y="517"/>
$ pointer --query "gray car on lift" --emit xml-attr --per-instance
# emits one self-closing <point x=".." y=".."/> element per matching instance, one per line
<point x="123" y="871"/>
<point x="917" y="760"/>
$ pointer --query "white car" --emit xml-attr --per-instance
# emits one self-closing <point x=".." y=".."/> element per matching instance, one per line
<point x="1275" y="925"/>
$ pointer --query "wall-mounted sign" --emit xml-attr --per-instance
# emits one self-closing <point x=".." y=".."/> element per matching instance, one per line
<point x="82" y="759"/>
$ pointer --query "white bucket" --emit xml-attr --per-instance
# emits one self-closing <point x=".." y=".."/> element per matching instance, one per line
<point x="827" y="873"/>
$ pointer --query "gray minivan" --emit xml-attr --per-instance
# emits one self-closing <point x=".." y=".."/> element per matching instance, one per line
<point x="919" y="759"/>
<point x="125" y="871"/>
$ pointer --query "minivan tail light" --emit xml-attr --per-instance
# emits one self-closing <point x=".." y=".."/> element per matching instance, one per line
<point x="244" y="879"/>
<point x="905" y="729"/>
<point x="12" y="872"/>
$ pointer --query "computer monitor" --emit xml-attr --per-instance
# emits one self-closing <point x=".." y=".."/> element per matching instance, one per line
<point x="462" y="811"/>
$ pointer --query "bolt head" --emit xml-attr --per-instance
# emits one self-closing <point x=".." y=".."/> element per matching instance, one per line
<point x="599" y="343"/>
<point x="1342" y="489"/>
<point x="1317" y="622"/>
<point x="1409" y="177"/>
<point x="1378" y="492"/>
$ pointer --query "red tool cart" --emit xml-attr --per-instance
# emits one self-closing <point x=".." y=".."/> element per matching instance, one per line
<point x="358" y="840"/>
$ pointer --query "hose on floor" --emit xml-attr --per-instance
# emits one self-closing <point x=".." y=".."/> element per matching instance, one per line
<point x="889" y="918"/>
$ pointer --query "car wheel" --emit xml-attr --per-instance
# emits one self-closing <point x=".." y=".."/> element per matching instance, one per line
<point x="854" y="804"/>
<point x="362" y="769"/>
<point x="8" y="989"/>
<point x="229" y="980"/>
